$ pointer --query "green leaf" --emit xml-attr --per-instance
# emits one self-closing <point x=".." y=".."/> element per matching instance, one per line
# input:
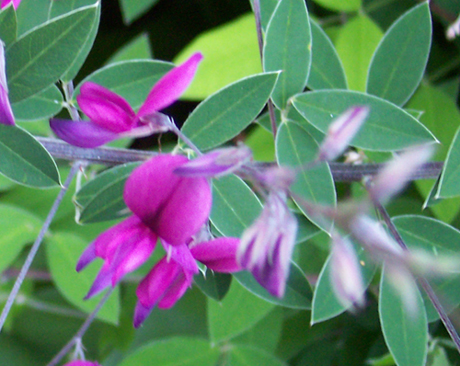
<point x="437" y="239"/>
<point x="448" y="184"/>
<point x="18" y="227"/>
<point x="298" y="293"/>
<point x="131" y="10"/>
<point x="214" y="284"/>
<point x="399" y="62"/>
<point x="287" y="48"/>
<point x="355" y="45"/>
<point x="325" y="302"/>
<point x="230" y="53"/>
<point x="39" y="58"/>
<point x="295" y="147"/>
<point x="24" y="160"/>
<point x="43" y="105"/>
<point x="406" y="335"/>
<point x="8" y="25"/>
<point x="387" y="127"/>
<point x="235" y="206"/>
<point x="267" y="7"/>
<point x="326" y="67"/>
<point x="237" y="312"/>
<point x="137" y="49"/>
<point x="101" y="199"/>
<point x="229" y="111"/>
<point x="438" y="106"/>
<point x="343" y="5"/>
<point x="244" y="355"/>
<point x="31" y="14"/>
<point x="131" y="79"/>
<point x="63" y="251"/>
<point x="183" y="351"/>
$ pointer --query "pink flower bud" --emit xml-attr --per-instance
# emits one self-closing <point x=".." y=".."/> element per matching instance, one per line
<point x="342" y="130"/>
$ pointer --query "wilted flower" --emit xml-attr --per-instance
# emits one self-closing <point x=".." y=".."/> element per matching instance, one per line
<point x="266" y="246"/>
<point x="166" y="207"/>
<point x="6" y="114"/>
<point x="5" y="3"/>
<point x="81" y="363"/>
<point x="346" y="275"/>
<point x="341" y="131"/>
<point x="111" y="117"/>
<point x="395" y="175"/>
<point x="216" y="163"/>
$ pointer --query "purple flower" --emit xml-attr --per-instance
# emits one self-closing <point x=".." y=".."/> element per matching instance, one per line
<point x="266" y="247"/>
<point x="6" y="114"/>
<point x="167" y="282"/>
<point x="173" y="209"/>
<point x="111" y="117"/>
<point x="5" y="3"/>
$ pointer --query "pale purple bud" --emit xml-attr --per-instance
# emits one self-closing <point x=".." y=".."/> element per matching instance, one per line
<point x="6" y="113"/>
<point x="266" y="246"/>
<point x="216" y="163"/>
<point x="453" y="30"/>
<point x="373" y="236"/>
<point x="277" y="178"/>
<point x="346" y="275"/>
<point x="397" y="173"/>
<point x="342" y="130"/>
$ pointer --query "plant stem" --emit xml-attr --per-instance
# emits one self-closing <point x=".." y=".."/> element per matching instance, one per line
<point x="81" y="331"/>
<point x="111" y="156"/>
<point x="422" y="280"/>
<point x="30" y="257"/>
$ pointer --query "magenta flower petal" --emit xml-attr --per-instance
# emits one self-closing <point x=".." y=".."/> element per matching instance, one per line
<point x="102" y="281"/>
<point x="218" y="254"/>
<point x="164" y="285"/>
<point x="141" y="313"/>
<point x="170" y="87"/>
<point x="6" y="113"/>
<point x="82" y="133"/>
<point x="5" y="3"/>
<point x="87" y="257"/>
<point x="173" y="207"/>
<point x="181" y="255"/>
<point x="106" y="108"/>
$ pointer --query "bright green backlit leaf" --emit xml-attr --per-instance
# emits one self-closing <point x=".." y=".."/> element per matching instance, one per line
<point x="355" y="45"/>
<point x="341" y="5"/>
<point x="230" y="53"/>
<point x="63" y="251"/>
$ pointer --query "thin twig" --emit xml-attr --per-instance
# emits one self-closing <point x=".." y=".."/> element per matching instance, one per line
<point x="81" y="331"/>
<point x="30" y="257"/>
<point x="422" y="280"/>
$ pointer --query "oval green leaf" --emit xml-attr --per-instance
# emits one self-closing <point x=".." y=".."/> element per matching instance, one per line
<point x="101" y="199"/>
<point x="24" y="160"/>
<point x="40" y="57"/>
<point x="43" y="105"/>
<point x="63" y="251"/>
<point x="8" y="25"/>
<point x="229" y="111"/>
<point x="237" y="312"/>
<point x="181" y="351"/>
<point x="406" y="335"/>
<point x="287" y="48"/>
<point x="399" y="62"/>
<point x="387" y="127"/>
<point x="295" y="147"/>
<point x="326" y="67"/>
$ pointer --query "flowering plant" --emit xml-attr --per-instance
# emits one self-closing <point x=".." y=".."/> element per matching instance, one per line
<point x="249" y="202"/>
